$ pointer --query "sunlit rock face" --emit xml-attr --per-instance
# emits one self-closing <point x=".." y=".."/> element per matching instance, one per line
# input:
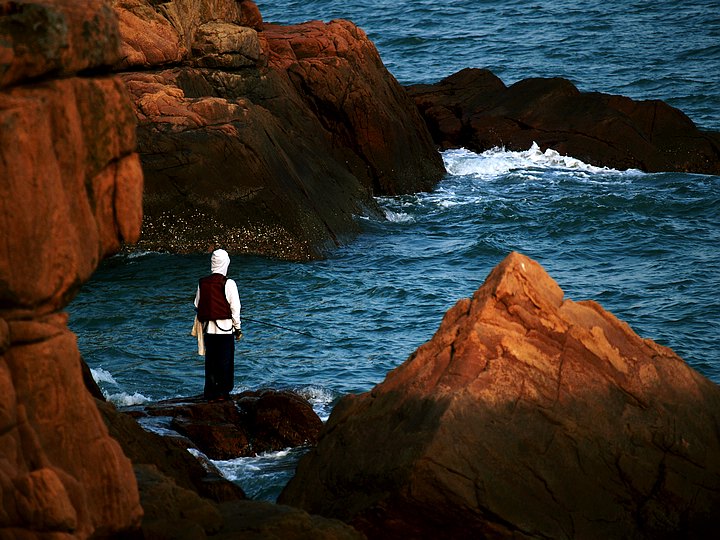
<point x="526" y="415"/>
<point x="262" y="138"/>
<point x="71" y="194"/>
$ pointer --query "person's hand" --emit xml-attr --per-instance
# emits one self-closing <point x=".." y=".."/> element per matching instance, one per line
<point x="238" y="334"/>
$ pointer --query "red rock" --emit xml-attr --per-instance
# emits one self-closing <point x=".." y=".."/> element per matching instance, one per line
<point x="71" y="188"/>
<point x="475" y="110"/>
<point x="55" y="37"/>
<point x="166" y="33"/>
<point x="526" y="415"/>
<point x="338" y="72"/>
<point x="267" y="139"/>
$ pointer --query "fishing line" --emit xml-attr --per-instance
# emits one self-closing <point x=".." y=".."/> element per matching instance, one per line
<point x="308" y="334"/>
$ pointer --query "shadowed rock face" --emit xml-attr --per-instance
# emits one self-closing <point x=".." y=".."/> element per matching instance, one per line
<point x="264" y="139"/>
<point x="474" y="109"/>
<point x="248" y="424"/>
<point x="526" y="414"/>
<point x="71" y="194"/>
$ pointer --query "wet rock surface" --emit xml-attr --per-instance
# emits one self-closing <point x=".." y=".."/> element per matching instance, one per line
<point x="183" y="496"/>
<point x="247" y="424"/>
<point x="528" y="415"/>
<point x="474" y="109"/>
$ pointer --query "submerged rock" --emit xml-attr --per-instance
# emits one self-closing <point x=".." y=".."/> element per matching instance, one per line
<point x="474" y="109"/>
<point x="263" y="138"/>
<point x="526" y="415"/>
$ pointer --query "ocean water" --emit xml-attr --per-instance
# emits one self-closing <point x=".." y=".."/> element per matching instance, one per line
<point x="660" y="49"/>
<point x="645" y="246"/>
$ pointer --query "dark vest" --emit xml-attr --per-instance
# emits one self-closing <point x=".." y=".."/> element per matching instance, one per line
<point x="213" y="304"/>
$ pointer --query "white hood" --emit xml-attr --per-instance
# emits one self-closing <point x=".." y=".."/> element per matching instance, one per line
<point x="219" y="262"/>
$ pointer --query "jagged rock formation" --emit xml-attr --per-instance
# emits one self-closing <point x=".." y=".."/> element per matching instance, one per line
<point x="474" y="109"/>
<point x="529" y="416"/>
<point x="263" y="139"/>
<point x="71" y="194"/>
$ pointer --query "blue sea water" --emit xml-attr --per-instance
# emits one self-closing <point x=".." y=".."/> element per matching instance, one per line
<point x="645" y="246"/>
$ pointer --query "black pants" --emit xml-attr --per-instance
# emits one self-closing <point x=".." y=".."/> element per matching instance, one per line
<point x="219" y="365"/>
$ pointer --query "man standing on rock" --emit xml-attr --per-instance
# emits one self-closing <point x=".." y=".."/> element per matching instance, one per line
<point x="218" y="310"/>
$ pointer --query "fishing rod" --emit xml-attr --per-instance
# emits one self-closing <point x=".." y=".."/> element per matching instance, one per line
<point x="308" y="334"/>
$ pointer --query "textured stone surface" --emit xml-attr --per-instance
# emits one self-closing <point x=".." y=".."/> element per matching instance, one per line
<point x="183" y="498"/>
<point x="262" y="138"/>
<point x="526" y="415"/>
<point x="55" y="37"/>
<point x="249" y="423"/>
<point x="474" y="109"/>
<point x="71" y="194"/>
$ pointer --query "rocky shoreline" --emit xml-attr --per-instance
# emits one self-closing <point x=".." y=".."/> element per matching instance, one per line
<point x="270" y="139"/>
<point x="474" y="109"/>
<point x="173" y="125"/>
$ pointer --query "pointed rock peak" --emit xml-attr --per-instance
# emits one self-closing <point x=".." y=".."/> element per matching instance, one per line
<point x="519" y="277"/>
<point x="517" y="332"/>
<point x="524" y="414"/>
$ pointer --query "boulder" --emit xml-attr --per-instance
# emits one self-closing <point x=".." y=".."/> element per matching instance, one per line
<point x="71" y="188"/>
<point x="474" y="109"/>
<point x="337" y="71"/>
<point x="264" y="139"/>
<point x="250" y="423"/>
<point x="527" y="416"/>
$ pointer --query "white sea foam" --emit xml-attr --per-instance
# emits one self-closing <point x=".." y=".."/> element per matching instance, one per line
<point x="124" y="399"/>
<point x="140" y="253"/>
<point x="264" y="475"/>
<point x="498" y="161"/>
<point x="397" y="217"/>
<point x="320" y="398"/>
<point x="101" y="375"/>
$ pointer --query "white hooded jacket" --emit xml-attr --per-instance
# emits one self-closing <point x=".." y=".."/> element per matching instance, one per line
<point x="219" y="262"/>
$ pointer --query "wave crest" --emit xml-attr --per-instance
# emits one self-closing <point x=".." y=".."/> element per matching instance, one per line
<point x="498" y="161"/>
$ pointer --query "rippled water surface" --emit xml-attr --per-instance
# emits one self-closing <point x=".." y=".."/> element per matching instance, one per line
<point x="645" y="246"/>
<point x="645" y="50"/>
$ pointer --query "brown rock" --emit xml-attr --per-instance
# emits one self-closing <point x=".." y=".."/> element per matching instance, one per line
<point x="71" y="194"/>
<point x="250" y="423"/>
<point x="338" y="72"/>
<point x="265" y="139"/>
<point x="278" y="419"/>
<point x="181" y="499"/>
<point x="225" y="45"/>
<point x="475" y="110"/>
<point x="169" y="456"/>
<point x="525" y="416"/>
<point x="256" y="520"/>
<point x="173" y="512"/>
